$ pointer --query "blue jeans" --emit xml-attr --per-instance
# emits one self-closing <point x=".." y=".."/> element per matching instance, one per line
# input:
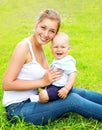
<point x="81" y="101"/>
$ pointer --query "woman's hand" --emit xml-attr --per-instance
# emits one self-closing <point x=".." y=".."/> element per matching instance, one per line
<point x="51" y="75"/>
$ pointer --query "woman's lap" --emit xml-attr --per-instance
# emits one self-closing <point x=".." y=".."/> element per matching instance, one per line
<point x="39" y="113"/>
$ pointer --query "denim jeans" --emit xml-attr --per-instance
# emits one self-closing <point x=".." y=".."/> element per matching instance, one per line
<point x="81" y="101"/>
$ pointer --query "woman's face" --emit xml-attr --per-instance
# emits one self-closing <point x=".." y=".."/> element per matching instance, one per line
<point x="46" y="30"/>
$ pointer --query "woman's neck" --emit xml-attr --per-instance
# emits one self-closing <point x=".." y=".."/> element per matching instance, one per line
<point x="38" y="52"/>
<point x="34" y="42"/>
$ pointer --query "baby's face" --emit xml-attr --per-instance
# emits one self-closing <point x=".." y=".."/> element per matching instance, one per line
<point x="60" y="48"/>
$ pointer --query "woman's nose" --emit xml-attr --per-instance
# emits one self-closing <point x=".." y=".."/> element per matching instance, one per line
<point x="46" y="33"/>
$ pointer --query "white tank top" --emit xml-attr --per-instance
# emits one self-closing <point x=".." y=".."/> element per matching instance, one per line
<point x="30" y="71"/>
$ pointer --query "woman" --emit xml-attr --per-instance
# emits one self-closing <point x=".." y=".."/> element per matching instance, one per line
<point x="28" y="70"/>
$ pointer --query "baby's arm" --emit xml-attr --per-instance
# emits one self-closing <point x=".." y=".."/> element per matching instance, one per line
<point x="63" y="92"/>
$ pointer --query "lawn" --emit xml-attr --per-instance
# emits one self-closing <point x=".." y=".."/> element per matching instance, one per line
<point x="82" y="21"/>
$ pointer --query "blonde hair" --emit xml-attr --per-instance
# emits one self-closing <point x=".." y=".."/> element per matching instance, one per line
<point x="50" y="14"/>
<point x="61" y="36"/>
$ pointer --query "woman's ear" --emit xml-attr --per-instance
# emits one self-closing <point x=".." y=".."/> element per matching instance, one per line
<point x="35" y="26"/>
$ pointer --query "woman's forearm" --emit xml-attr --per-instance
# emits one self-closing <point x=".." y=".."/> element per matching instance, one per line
<point x="21" y="85"/>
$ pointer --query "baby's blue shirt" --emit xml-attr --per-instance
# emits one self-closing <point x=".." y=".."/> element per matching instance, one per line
<point x="68" y="65"/>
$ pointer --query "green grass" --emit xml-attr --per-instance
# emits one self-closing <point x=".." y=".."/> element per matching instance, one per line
<point x="82" y="21"/>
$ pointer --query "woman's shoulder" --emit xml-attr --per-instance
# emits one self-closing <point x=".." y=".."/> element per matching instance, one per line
<point x="22" y="45"/>
<point x="21" y="49"/>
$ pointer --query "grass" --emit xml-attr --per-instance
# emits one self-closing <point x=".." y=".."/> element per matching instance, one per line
<point x="82" y="21"/>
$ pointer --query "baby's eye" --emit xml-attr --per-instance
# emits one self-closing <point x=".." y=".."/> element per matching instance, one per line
<point x="63" y="47"/>
<point x="55" y="47"/>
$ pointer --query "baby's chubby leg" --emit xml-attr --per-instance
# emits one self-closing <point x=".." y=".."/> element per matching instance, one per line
<point x="43" y="96"/>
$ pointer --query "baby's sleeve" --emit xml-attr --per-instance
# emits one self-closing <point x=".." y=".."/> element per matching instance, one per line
<point x="70" y="66"/>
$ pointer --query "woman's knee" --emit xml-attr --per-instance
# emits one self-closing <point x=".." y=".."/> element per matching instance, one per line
<point x="74" y="99"/>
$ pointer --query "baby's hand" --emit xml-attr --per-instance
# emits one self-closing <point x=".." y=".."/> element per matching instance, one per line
<point x="63" y="92"/>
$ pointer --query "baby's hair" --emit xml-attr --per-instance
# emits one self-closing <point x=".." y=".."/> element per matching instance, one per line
<point x="50" y="14"/>
<point x="61" y="35"/>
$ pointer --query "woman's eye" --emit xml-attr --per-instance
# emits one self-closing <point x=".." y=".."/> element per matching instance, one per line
<point x="52" y="31"/>
<point x="42" y="27"/>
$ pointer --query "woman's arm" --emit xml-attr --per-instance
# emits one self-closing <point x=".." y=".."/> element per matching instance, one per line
<point x="19" y="57"/>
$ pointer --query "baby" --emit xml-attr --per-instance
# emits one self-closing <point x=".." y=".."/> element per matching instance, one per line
<point x="60" y="88"/>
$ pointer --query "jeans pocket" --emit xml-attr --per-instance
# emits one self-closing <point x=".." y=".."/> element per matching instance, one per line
<point x="13" y="112"/>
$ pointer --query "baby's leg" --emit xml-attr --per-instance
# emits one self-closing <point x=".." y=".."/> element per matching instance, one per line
<point x="43" y="96"/>
<point x="52" y="92"/>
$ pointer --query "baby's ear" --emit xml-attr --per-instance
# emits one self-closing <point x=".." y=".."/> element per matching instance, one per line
<point x="69" y="49"/>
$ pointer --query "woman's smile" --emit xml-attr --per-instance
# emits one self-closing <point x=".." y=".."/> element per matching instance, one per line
<point x="43" y="38"/>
